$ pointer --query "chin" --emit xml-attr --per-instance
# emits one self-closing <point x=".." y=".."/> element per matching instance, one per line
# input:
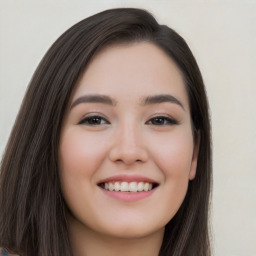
<point x="131" y="230"/>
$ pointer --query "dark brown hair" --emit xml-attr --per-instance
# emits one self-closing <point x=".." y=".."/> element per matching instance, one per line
<point x="32" y="215"/>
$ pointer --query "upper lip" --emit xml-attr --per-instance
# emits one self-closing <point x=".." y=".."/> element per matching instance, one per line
<point x="127" y="178"/>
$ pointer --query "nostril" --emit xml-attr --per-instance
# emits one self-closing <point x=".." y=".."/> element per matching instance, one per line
<point x="128" y="153"/>
<point x="129" y="158"/>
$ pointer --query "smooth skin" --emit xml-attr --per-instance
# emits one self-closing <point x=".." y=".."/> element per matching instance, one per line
<point x="126" y="133"/>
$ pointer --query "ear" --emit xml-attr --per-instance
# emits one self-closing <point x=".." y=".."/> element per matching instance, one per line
<point x="193" y="166"/>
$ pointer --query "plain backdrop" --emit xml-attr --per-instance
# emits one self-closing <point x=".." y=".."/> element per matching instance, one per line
<point x="222" y="36"/>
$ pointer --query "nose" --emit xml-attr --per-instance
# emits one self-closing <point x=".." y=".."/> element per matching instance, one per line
<point x="128" y="147"/>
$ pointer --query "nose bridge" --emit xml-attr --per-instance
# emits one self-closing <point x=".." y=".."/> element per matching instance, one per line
<point x="128" y="145"/>
<point x="129" y="135"/>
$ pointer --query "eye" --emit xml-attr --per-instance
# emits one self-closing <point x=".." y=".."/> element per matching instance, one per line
<point x="161" y="120"/>
<point x="93" y="120"/>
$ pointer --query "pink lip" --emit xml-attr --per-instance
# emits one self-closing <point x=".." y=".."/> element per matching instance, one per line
<point x="128" y="178"/>
<point x="128" y="196"/>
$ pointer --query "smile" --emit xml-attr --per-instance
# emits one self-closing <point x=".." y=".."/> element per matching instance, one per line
<point x="124" y="186"/>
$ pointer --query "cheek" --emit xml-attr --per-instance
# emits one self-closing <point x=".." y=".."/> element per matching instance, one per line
<point x="80" y="156"/>
<point x="80" y="153"/>
<point x="173" y="154"/>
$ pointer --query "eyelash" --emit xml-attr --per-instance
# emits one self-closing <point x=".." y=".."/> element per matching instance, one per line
<point x="162" y="121"/>
<point x="96" y="120"/>
<point x="93" y="118"/>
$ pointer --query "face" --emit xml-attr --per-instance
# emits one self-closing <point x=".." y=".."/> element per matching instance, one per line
<point x="127" y="152"/>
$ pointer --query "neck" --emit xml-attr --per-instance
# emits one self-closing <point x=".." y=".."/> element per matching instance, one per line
<point x="87" y="242"/>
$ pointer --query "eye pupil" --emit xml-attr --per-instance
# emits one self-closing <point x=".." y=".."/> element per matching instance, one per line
<point x="158" y="120"/>
<point x="94" y="120"/>
<point x="162" y="121"/>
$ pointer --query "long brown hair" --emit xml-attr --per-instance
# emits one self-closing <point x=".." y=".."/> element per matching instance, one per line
<point x="32" y="215"/>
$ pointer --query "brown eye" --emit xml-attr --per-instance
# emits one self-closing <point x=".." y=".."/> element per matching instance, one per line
<point x="93" y="121"/>
<point x="162" y="120"/>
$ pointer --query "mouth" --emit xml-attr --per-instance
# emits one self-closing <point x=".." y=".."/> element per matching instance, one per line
<point x="129" y="187"/>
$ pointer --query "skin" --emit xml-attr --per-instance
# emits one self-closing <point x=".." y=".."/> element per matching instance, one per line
<point x="127" y="139"/>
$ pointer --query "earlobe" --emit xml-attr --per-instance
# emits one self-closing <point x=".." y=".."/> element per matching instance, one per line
<point x="193" y="166"/>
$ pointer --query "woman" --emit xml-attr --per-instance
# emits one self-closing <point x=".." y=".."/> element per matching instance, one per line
<point x="111" y="150"/>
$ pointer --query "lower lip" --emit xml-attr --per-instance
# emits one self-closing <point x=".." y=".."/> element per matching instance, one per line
<point x="128" y="196"/>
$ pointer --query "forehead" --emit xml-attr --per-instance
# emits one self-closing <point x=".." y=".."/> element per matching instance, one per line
<point x="132" y="70"/>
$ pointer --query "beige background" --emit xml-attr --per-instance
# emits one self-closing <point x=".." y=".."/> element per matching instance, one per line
<point x="222" y="35"/>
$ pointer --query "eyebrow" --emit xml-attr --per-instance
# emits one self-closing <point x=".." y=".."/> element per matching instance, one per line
<point x="104" y="99"/>
<point x="94" y="99"/>
<point x="162" y="98"/>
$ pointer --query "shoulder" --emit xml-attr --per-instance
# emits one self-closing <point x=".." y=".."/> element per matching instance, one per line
<point x="4" y="252"/>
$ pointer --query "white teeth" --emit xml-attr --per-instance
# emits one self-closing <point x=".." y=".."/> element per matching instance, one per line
<point x="117" y="186"/>
<point x="133" y="186"/>
<point x="140" y="186"/>
<point x="146" y="186"/>
<point x="125" y="186"/>
<point x="110" y="186"/>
